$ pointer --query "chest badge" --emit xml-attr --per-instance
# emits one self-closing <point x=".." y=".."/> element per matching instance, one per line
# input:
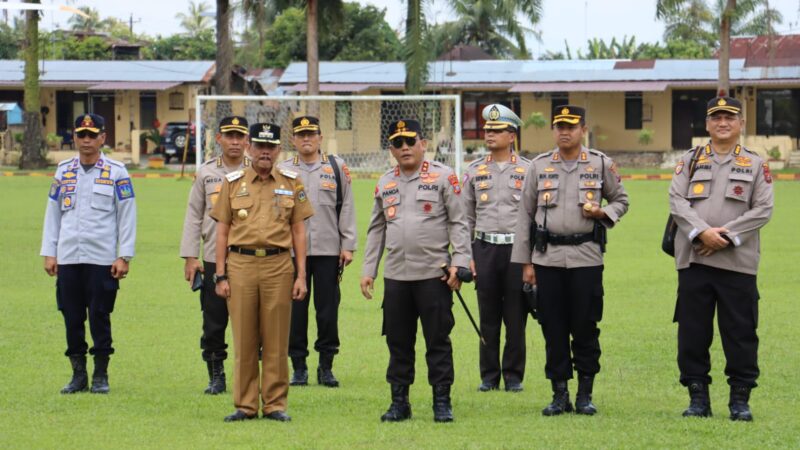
<point x="484" y="197"/>
<point x="242" y="214"/>
<point x="427" y="207"/>
<point x="391" y="212"/>
<point x="698" y="188"/>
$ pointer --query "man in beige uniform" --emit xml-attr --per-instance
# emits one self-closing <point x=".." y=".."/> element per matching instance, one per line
<point x="561" y="200"/>
<point x="331" y="240"/>
<point x="260" y="216"/>
<point x="199" y="227"/>
<point x="492" y="189"/>
<point x="719" y="212"/>
<point x="417" y="216"/>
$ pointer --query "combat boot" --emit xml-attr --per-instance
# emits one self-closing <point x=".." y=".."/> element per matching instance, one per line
<point x="400" y="409"/>
<point x="442" y="409"/>
<point x="216" y="377"/>
<point x="324" y="371"/>
<point x="300" y="375"/>
<point x="560" y="403"/>
<point x="583" y="401"/>
<point x="80" y="379"/>
<point x="100" y="375"/>
<point x="740" y="410"/>
<point x="700" y="403"/>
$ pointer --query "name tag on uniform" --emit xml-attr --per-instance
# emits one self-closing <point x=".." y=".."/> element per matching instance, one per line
<point x="283" y="192"/>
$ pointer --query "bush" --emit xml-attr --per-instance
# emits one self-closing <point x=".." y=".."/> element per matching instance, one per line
<point x="646" y="136"/>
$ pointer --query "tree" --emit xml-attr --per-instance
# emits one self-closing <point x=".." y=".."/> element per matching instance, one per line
<point x="416" y="51"/>
<point x="195" y="21"/>
<point x="91" y="23"/>
<point x="10" y="39"/>
<point x="182" y="47"/>
<point x="92" y="48"/>
<point x="494" y="25"/>
<point x="224" y="57"/>
<point x="32" y="156"/>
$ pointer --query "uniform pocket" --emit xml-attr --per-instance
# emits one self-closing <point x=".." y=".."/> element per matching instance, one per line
<point x="515" y="181"/>
<point x="107" y="297"/>
<point x="597" y="303"/>
<point x="700" y="185"/>
<point x="740" y="185"/>
<point x="327" y="192"/>
<point x="589" y="191"/>
<point x="548" y="193"/>
<point x="428" y="202"/>
<point x="103" y="197"/>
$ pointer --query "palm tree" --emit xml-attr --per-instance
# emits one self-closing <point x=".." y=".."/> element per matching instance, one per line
<point x="91" y="23"/>
<point x="32" y="156"/>
<point x="494" y="25"/>
<point x="195" y="21"/>
<point x="416" y="50"/>
<point x="224" y="60"/>
<point x="750" y="17"/>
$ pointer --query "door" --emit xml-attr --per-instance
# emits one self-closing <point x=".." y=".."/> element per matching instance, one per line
<point x="103" y="104"/>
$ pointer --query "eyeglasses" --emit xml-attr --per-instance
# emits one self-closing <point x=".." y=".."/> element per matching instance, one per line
<point x="83" y="133"/>
<point x="398" y="141"/>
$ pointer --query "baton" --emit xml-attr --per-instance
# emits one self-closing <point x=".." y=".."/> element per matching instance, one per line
<point x="464" y="304"/>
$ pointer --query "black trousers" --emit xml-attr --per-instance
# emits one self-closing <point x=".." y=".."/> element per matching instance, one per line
<point x="323" y="272"/>
<point x="215" y="317"/>
<point x="570" y="305"/>
<point x="430" y="301"/>
<point x="701" y="289"/>
<point x="82" y="288"/>
<point x="500" y="301"/>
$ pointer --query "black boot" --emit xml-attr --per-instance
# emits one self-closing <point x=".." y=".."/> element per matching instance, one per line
<point x="400" y="409"/>
<point x="216" y="377"/>
<point x="80" y="379"/>
<point x="560" y="403"/>
<point x="583" y="401"/>
<point x="740" y="410"/>
<point x="442" y="409"/>
<point x="300" y="375"/>
<point x="100" y="375"/>
<point x="700" y="404"/>
<point x="324" y="371"/>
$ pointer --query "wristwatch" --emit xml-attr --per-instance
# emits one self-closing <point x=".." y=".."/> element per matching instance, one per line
<point x="218" y="278"/>
<point x="127" y="259"/>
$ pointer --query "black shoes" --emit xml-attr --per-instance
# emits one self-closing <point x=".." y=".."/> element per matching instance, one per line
<point x="560" y="403"/>
<point x="300" y="374"/>
<point x="442" y="409"/>
<point x="216" y="377"/>
<point x="80" y="379"/>
<point x="239" y="416"/>
<point x="487" y="386"/>
<point x="583" y="401"/>
<point x="278" y="416"/>
<point x="100" y="375"/>
<point x="513" y="386"/>
<point x="400" y="409"/>
<point x="324" y="371"/>
<point x="700" y="403"/>
<point x="738" y="405"/>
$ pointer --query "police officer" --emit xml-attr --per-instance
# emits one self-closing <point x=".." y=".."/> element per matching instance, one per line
<point x="87" y="243"/>
<point x="197" y="227"/>
<point x="260" y="215"/>
<point x="720" y="197"/>
<point x="561" y="201"/>
<point x="492" y="189"/>
<point x="417" y="216"/>
<point x="331" y="240"/>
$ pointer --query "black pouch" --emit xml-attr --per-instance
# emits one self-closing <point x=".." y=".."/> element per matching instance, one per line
<point x="197" y="282"/>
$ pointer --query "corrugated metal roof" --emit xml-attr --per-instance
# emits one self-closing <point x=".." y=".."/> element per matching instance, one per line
<point x="133" y="86"/>
<point x="98" y="71"/>
<point x="8" y="106"/>
<point x="330" y="87"/>
<point x="592" y="86"/>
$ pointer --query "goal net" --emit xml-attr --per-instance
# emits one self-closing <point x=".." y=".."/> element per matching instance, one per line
<point x="353" y="127"/>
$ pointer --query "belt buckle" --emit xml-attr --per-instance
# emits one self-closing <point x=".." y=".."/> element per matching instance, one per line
<point x="261" y="252"/>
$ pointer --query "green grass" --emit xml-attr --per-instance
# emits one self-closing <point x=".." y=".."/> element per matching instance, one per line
<point x="157" y="375"/>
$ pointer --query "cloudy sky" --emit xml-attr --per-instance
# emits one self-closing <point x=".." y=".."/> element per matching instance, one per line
<point x="572" y="20"/>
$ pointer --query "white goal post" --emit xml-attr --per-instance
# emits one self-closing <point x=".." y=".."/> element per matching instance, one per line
<point x="353" y="126"/>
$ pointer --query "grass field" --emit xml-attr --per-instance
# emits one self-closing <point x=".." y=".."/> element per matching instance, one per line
<point x="157" y="375"/>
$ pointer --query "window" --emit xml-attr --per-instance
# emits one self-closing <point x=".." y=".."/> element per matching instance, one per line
<point x="176" y="100"/>
<point x="777" y="112"/>
<point x="344" y="115"/>
<point x="472" y="111"/>
<point x="633" y="110"/>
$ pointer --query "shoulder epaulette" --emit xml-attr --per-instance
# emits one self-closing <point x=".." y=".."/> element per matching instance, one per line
<point x="439" y="165"/>
<point x="113" y="162"/>
<point x="597" y="152"/>
<point x="210" y="161"/>
<point x="288" y="173"/>
<point x="66" y="161"/>
<point x="748" y="150"/>
<point x="235" y="175"/>
<point x="543" y="155"/>
<point x="477" y="161"/>
<point x="523" y="159"/>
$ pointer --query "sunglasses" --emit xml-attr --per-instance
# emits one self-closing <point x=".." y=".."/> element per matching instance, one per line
<point x="83" y="133"/>
<point x="398" y="141"/>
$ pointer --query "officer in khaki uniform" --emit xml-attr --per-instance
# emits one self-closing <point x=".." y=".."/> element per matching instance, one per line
<point x="562" y="201"/>
<point x="719" y="212"/>
<point x="260" y="214"/>
<point x="199" y="227"/>
<point x="492" y="191"/>
<point x="331" y="240"/>
<point x="417" y="216"/>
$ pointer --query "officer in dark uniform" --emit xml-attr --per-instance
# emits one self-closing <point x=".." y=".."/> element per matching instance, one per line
<point x="561" y="200"/>
<point x="87" y="242"/>
<point x="720" y="207"/>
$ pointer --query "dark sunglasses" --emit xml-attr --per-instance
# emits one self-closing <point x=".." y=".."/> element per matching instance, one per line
<point x="398" y="141"/>
<point x="83" y="133"/>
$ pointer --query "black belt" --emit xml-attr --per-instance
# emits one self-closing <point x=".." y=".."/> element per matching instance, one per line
<point x="569" y="239"/>
<point x="257" y="251"/>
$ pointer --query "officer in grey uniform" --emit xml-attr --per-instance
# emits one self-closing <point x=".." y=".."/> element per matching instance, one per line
<point x="199" y="227"/>
<point x="562" y="209"/>
<point x="331" y="241"/>
<point x="87" y="243"/>
<point x="492" y="191"/>
<point x="417" y="216"/>
<point x="719" y="210"/>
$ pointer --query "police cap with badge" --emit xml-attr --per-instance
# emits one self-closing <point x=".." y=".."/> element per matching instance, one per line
<point x="408" y="130"/>
<point x="236" y="124"/>
<point x="723" y="104"/>
<point x="500" y="118"/>
<point x="569" y="114"/>
<point x="91" y="123"/>
<point x="267" y="133"/>
<point x="305" y="123"/>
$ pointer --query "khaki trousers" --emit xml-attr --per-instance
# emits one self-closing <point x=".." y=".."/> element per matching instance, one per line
<point x="260" y="308"/>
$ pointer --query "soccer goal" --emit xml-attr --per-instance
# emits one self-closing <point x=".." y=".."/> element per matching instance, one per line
<point x="353" y="127"/>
